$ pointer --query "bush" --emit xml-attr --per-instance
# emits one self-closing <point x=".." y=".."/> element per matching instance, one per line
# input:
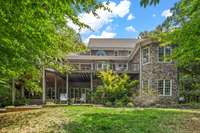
<point x="108" y="104"/>
<point x="114" y="88"/>
<point x="99" y="95"/>
<point x="148" y="97"/>
<point x="119" y="103"/>
<point x="5" y="102"/>
<point x="22" y="101"/>
<point x="130" y="104"/>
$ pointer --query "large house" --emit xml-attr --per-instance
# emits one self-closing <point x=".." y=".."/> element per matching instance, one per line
<point x="142" y="59"/>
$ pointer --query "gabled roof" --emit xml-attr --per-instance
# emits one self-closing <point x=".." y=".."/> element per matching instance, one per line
<point x="112" y="43"/>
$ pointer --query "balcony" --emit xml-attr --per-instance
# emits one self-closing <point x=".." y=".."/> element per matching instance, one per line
<point x="120" y="68"/>
<point x="96" y="58"/>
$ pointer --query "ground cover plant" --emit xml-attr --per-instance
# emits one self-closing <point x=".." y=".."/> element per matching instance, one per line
<point x="85" y="119"/>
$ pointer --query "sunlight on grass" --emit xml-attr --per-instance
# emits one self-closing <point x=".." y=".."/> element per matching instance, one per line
<point x="82" y="119"/>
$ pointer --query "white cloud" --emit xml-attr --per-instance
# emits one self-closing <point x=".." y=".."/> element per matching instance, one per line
<point x="108" y="28"/>
<point x="130" y="28"/>
<point x="104" y="17"/>
<point x="154" y="15"/>
<point x="130" y="17"/>
<point x="104" y="34"/>
<point x="166" y="13"/>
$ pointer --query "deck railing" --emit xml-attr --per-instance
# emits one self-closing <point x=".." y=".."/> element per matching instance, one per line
<point x="131" y="68"/>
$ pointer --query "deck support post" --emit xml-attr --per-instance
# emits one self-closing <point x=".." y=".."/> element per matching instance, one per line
<point x="43" y="86"/>
<point x="22" y="92"/>
<point x="91" y="86"/>
<point x="13" y="91"/>
<point x="55" y="87"/>
<point x="67" y="87"/>
<point x="67" y="84"/>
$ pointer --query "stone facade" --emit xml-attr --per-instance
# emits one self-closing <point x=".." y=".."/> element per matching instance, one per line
<point x="155" y="70"/>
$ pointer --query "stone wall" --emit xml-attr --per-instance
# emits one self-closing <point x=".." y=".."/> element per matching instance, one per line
<point x="154" y="71"/>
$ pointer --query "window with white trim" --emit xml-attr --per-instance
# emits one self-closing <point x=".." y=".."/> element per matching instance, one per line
<point x="102" y="66"/>
<point x="164" y="54"/>
<point x="165" y="87"/>
<point x="121" y="67"/>
<point x="145" y="55"/>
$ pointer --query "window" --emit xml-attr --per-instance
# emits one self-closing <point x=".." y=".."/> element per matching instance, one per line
<point x="161" y="54"/>
<point x="145" y="53"/>
<point x="145" y="84"/>
<point x="164" y="87"/>
<point x="101" y="53"/>
<point x="102" y="66"/>
<point x="164" y="53"/>
<point x="160" y="87"/>
<point x="121" y="67"/>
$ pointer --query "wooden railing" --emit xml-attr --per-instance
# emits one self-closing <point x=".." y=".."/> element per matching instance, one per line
<point x="132" y="68"/>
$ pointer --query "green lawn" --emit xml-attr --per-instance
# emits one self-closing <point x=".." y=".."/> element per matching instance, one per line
<point x="82" y="119"/>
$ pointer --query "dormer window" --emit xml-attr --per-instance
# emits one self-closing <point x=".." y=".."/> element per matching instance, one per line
<point x="101" y="53"/>
<point x="145" y="55"/>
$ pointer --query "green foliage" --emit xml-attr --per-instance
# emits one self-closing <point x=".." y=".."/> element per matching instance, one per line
<point x="130" y="104"/>
<point x="182" y="31"/>
<point x="108" y="104"/>
<point x="119" y="103"/>
<point x="114" y="87"/>
<point x="34" y="34"/>
<point x="22" y="101"/>
<point x="145" y="3"/>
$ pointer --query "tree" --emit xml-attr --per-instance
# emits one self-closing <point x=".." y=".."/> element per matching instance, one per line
<point x="145" y="3"/>
<point x="182" y="30"/>
<point x="34" y="34"/>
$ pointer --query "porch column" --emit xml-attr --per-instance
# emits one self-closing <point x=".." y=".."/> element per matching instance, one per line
<point x="91" y="85"/>
<point x="43" y="86"/>
<point x="67" y="84"/>
<point x="55" y="85"/>
<point x="13" y="91"/>
<point x="22" y="92"/>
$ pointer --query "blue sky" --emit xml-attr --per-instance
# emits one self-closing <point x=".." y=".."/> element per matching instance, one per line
<point x="127" y="19"/>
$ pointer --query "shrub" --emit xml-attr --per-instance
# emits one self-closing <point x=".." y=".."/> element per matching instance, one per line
<point x="148" y="97"/>
<point x="108" y="104"/>
<point x="130" y="104"/>
<point x="22" y="101"/>
<point x="119" y="103"/>
<point x="99" y="95"/>
<point x="114" y="87"/>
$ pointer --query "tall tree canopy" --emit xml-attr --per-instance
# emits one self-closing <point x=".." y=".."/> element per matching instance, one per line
<point x="33" y="33"/>
<point x="182" y="29"/>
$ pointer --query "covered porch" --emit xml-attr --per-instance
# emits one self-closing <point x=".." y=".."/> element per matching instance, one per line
<point x="69" y="88"/>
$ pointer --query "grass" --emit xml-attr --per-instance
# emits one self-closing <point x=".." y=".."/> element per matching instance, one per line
<point x="83" y="119"/>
